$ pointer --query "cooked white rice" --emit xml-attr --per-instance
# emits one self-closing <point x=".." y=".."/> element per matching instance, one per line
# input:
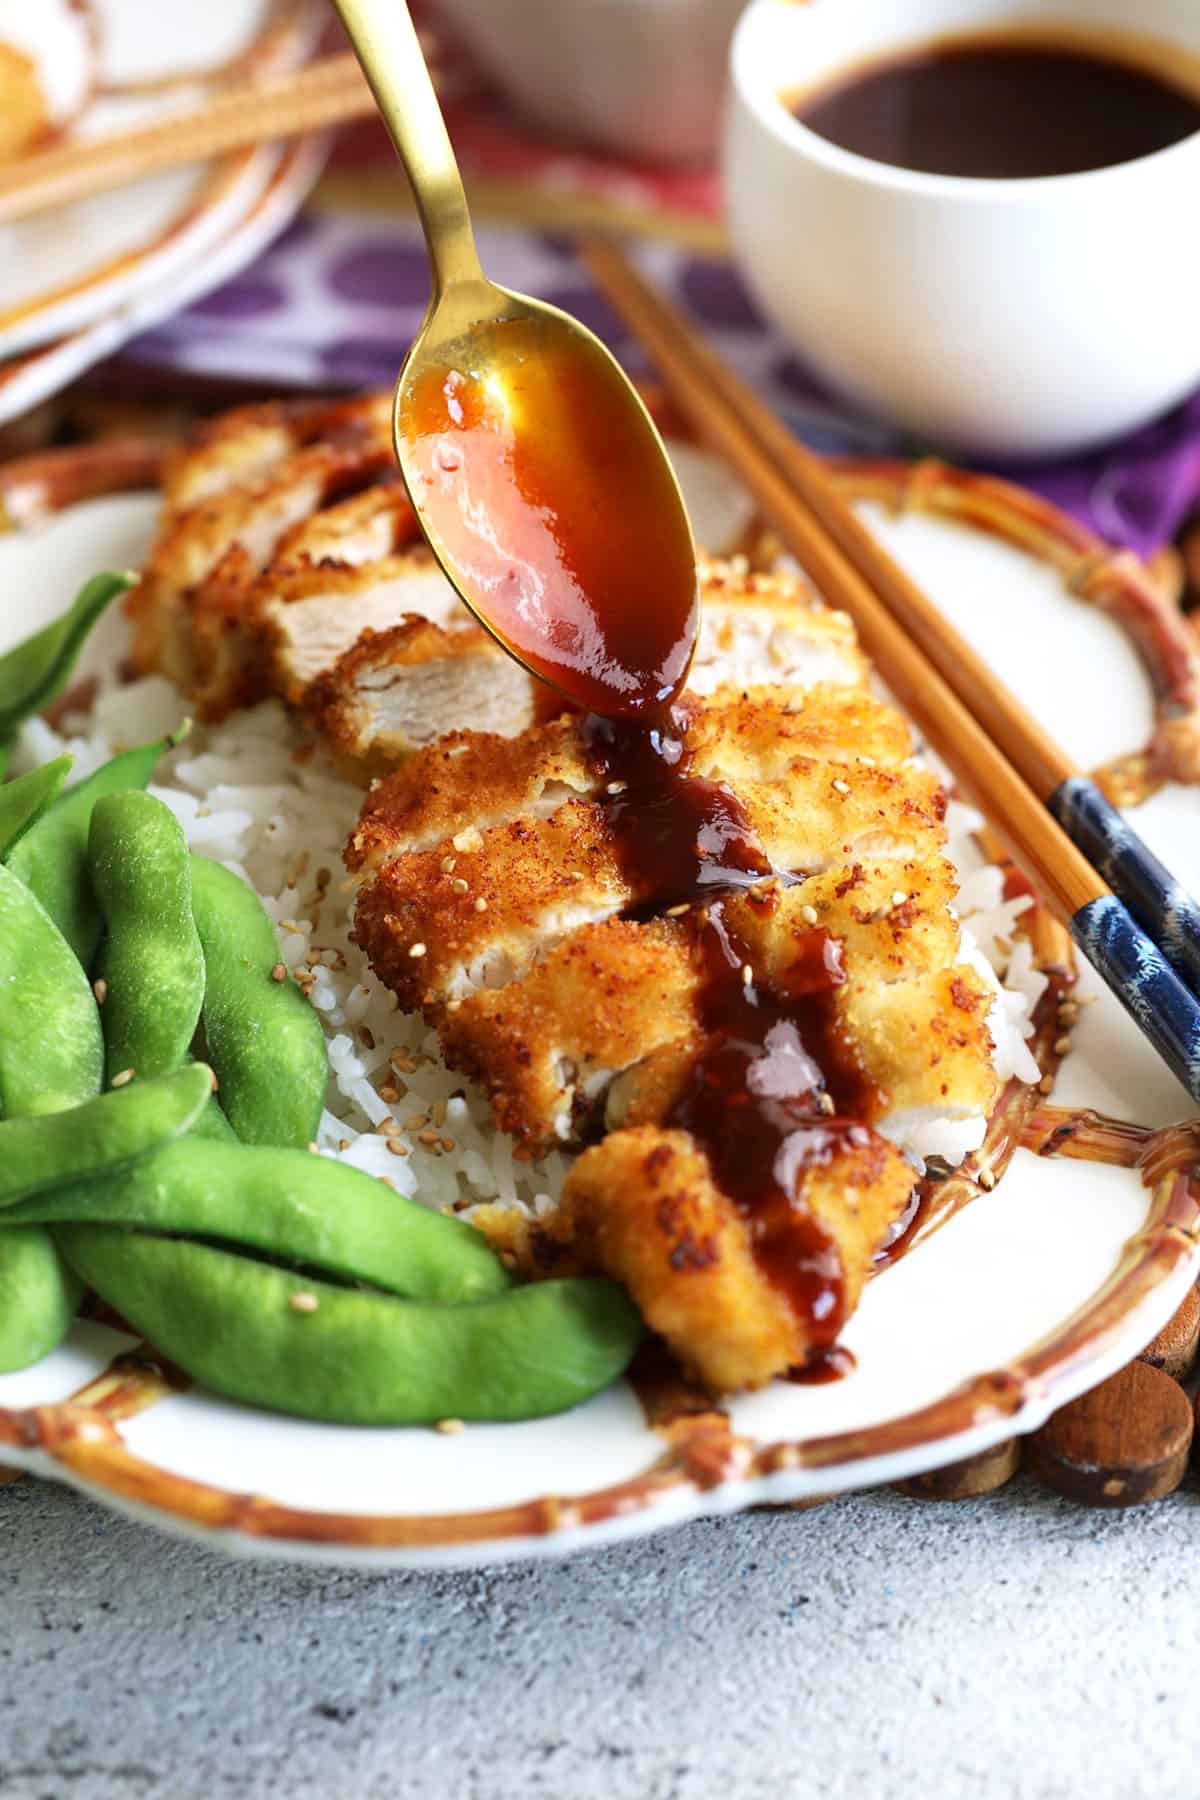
<point x="250" y="794"/>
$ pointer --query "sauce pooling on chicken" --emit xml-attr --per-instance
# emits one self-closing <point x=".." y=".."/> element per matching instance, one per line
<point x="552" y="501"/>
<point x="777" y="1088"/>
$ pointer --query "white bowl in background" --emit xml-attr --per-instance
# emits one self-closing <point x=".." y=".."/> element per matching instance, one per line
<point x="1028" y="317"/>
<point x="642" y="77"/>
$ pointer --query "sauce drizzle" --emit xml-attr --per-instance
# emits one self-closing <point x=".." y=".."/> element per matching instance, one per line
<point x="777" y="1090"/>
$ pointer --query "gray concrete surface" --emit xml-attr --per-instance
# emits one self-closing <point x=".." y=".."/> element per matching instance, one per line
<point x="878" y="1647"/>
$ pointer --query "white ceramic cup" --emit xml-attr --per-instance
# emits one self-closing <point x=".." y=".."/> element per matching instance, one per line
<point x="1017" y="318"/>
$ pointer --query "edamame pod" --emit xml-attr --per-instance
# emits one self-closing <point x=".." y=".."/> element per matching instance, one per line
<point x="150" y="957"/>
<point x="51" y="858"/>
<point x="301" y="1208"/>
<point x="38" y="1297"/>
<point x="33" y="672"/>
<point x="212" y="1123"/>
<point x="99" y="1137"/>
<point x="260" y="1034"/>
<point x="25" y="799"/>
<point x="51" y="1047"/>
<point x="358" y="1358"/>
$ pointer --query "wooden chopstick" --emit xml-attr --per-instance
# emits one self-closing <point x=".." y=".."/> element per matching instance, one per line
<point x="738" y="425"/>
<point x="1163" y="907"/>
<point x="327" y="92"/>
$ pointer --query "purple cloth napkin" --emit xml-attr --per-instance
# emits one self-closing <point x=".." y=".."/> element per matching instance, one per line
<point x="337" y="299"/>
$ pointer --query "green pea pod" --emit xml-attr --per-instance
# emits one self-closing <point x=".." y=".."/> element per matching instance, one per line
<point x="150" y="957"/>
<point x="212" y="1123"/>
<point x="358" y="1358"/>
<point x="260" y="1035"/>
<point x="304" y="1209"/>
<point x="51" y="858"/>
<point x="24" y="800"/>
<point x="34" y="671"/>
<point x="38" y="1297"/>
<point x="51" y="1047"/>
<point x="101" y="1136"/>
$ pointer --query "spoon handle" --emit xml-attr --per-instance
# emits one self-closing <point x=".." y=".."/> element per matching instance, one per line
<point x="386" y="44"/>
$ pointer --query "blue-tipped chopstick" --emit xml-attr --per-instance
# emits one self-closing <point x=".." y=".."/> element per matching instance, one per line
<point x="1142" y="933"/>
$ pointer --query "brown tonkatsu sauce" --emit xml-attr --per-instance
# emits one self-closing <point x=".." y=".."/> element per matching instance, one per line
<point x="564" y="526"/>
<point x="776" y="1089"/>
<point x="1002" y="108"/>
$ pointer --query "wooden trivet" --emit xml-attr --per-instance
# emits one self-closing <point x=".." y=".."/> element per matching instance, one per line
<point x="1123" y="1444"/>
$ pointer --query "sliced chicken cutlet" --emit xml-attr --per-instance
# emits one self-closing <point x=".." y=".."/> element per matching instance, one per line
<point x="193" y="611"/>
<point x="530" y="865"/>
<point x="393" y="693"/>
<point x="245" y="444"/>
<point x="311" y="614"/>
<point x="573" y="977"/>
<point x="645" y="1204"/>
<point x="605" y="1017"/>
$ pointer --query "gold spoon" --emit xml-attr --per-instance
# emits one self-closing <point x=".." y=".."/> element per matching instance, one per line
<point x="535" y="471"/>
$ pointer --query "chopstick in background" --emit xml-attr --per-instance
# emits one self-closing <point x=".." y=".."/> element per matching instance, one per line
<point x="938" y="678"/>
<point x="327" y="92"/>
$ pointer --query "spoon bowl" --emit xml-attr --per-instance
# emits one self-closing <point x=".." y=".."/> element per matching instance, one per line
<point x="534" y="469"/>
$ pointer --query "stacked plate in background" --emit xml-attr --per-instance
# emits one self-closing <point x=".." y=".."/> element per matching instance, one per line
<point x="78" y="281"/>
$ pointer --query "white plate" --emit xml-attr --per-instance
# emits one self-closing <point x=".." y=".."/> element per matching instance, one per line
<point x="63" y="269"/>
<point x="1031" y="1294"/>
<point x="30" y="379"/>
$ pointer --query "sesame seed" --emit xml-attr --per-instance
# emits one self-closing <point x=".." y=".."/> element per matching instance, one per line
<point x="396" y="1146"/>
<point x="825" y="1102"/>
<point x="343" y="1143"/>
<point x="430" y="1139"/>
<point x="616" y="787"/>
<point x="899" y="897"/>
<point x="100" y="989"/>
<point x="868" y="762"/>
<point x="415" y="1121"/>
<point x="841" y="787"/>
<point x="215" y="1080"/>
<point x="402" y="1062"/>
<point x="677" y="912"/>
<point x="388" y="1093"/>
<point x="303" y="1303"/>
<point x="459" y="885"/>
<point x="987" y="1180"/>
<point x="437" y="1112"/>
<point x="1062" y="1046"/>
<point x="449" y="1427"/>
<point x="449" y="1143"/>
<point x="279" y="972"/>
<point x="314" y="1149"/>
<point x="123" y="1079"/>
<point x="481" y="905"/>
<point x="747" y="974"/>
<point x="417" y="950"/>
<point x="808" y="914"/>
<point x="449" y="863"/>
<point x="291" y="925"/>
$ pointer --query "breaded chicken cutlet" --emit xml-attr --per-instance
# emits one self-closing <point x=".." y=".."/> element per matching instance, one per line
<point x="576" y="984"/>
<point x="730" y="983"/>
